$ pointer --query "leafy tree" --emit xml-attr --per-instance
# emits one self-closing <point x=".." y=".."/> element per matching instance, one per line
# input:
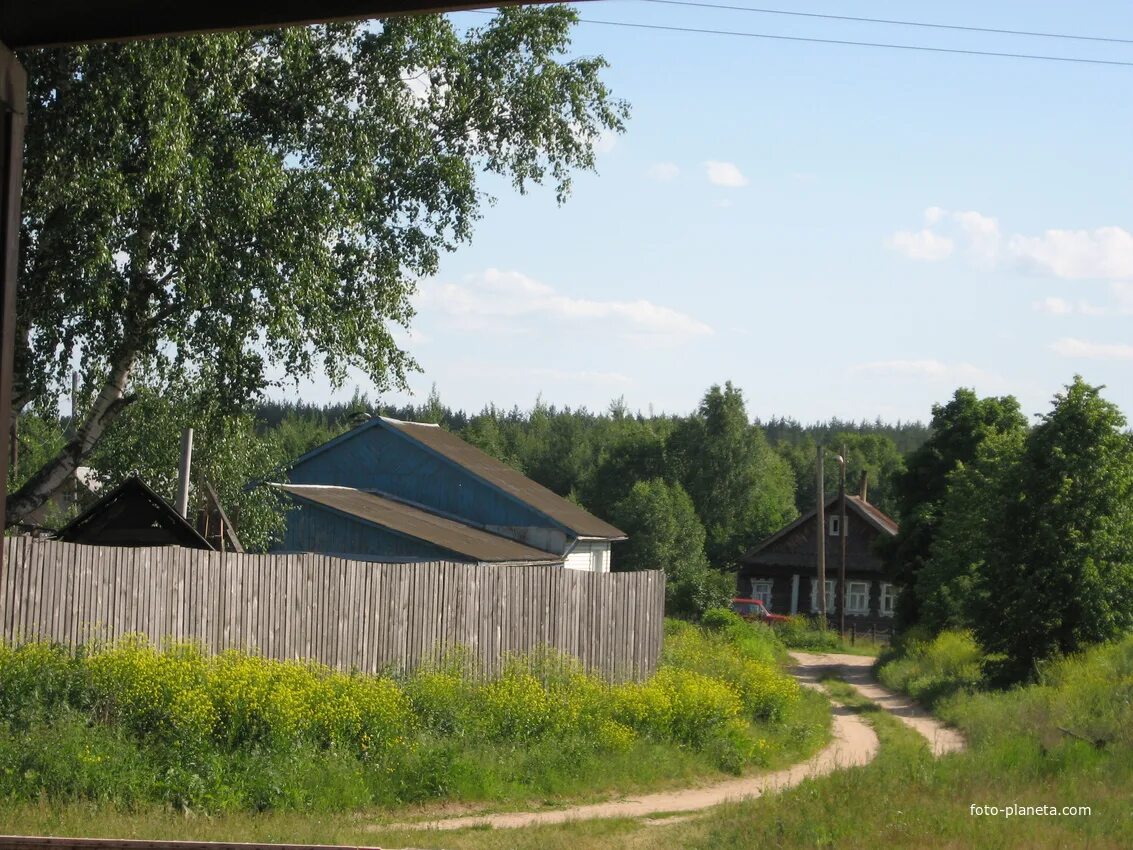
<point x="950" y="590"/>
<point x="267" y="199"/>
<point x="665" y="533"/>
<point x="634" y="452"/>
<point x="1064" y="575"/>
<point x="875" y="454"/>
<point x="958" y="429"/>
<point x="742" y="489"/>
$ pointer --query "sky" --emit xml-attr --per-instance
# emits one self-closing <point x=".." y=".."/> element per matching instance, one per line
<point x="840" y="231"/>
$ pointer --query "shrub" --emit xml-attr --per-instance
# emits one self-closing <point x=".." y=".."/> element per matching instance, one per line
<point x="934" y="669"/>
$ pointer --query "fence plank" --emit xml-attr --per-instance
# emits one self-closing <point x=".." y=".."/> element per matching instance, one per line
<point x="346" y="614"/>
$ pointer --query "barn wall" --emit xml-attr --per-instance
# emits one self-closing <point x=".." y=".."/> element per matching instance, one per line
<point x="312" y="528"/>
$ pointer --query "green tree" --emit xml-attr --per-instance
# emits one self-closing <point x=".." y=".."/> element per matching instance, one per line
<point x="874" y="454"/>
<point x="666" y="534"/>
<point x="950" y="590"/>
<point x="1064" y="576"/>
<point x="267" y="199"/>
<point x="742" y="489"/>
<point x="958" y="429"/>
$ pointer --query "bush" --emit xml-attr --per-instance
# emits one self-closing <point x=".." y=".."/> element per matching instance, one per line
<point x="800" y="632"/>
<point x="932" y="670"/>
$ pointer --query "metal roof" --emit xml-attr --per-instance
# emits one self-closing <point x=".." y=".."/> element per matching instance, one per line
<point x="382" y="511"/>
<point x="578" y="520"/>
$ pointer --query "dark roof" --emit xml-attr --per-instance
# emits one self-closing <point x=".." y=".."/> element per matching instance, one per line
<point x="132" y="515"/>
<point x="27" y="23"/>
<point x="503" y="477"/>
<point x="870" y="513"/>
<point x="380" y="510"/>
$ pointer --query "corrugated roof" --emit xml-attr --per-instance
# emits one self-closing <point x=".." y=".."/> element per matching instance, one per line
<point x="500" y="475"/>
<point x="417" y="523"/>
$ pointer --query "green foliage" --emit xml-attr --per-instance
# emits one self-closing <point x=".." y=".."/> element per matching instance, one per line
<point x="929" y="670"/>
<point x="133" y="724"/>
<point x="1062" y="577"/>
<point x="949" y="590"/>
<point x="743" y="490"/>
<point x="958" y="429"/>
<point x="802" y="632"/>
<point x="264" y="201"/>
<point x="665" y="533"/>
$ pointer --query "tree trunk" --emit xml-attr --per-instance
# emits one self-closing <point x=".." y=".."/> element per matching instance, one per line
<point x="110" y="402"/>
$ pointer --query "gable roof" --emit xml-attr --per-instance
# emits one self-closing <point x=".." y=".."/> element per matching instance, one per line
<point x="411" y="521"/>
<point x="873" y="515"/>
<point x="495" y="473"/>
<point x="132" y="514"/>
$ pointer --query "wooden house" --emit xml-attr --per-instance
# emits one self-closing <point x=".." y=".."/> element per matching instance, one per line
<point x="403" y="491"/>
<point x="132" y="515"/>
<point x="782" y="570"/>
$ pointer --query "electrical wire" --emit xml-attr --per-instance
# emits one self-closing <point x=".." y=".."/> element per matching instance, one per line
<point x="891" y="21"/>
<point x="875" y="44"/>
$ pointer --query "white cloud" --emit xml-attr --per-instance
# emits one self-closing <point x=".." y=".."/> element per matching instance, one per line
<point x="922" y="245"/>
<point x="1078" y="348"/>
<point x="933" y="215"/>
<point x="495" y="295"/>
<point x="1105" y="253"/>
<point x="725" y="174"/>
<point x="1053" y="306"/>
<point x="929" y="370"/>
<point x="664" y="171"/>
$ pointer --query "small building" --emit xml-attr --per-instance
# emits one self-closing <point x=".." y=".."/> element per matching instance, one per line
<point x="405" y="491"/>
<point x="132" y="514"/>
<point x="782" y="570"/>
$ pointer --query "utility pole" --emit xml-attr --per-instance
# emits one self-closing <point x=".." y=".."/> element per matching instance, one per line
<point x="842" y="538"/>
<point x="182" y="505"/>
<point x="820" y="497"/>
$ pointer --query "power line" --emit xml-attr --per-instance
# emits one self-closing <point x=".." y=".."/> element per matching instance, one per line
<point x="876" y="44"/>
<point x="890" y="21"/>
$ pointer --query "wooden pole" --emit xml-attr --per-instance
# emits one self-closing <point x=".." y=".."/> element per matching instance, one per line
<point x="820" y="498"/>
<point x="842" y="539"/>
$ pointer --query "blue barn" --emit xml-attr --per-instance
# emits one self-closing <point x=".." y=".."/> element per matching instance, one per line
<point x="404" y="491"/>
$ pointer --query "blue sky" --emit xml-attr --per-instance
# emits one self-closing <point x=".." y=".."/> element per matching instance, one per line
<point x="840" y="231"/>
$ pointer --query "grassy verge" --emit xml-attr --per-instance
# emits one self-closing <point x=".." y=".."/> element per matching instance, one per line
<point x="130" y="729"/>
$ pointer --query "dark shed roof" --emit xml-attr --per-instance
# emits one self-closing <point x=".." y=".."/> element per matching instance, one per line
<point x="511" y="481"/>
<point x="414" y="522"/>
<point x="132" y="515"/>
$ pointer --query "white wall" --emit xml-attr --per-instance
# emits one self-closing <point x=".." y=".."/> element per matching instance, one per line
<point x="589" y="555"/>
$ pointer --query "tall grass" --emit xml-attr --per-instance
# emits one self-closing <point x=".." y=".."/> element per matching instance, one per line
<point x="133" y="724"/>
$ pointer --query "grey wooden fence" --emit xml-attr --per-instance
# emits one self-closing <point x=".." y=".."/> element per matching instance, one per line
<point x="353" y="615"/>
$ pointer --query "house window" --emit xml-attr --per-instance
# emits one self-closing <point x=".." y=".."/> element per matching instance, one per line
<point x="857" y="597"/>
<point x="836" y="526"/>
<point x="829" y="596"/>
<point x="888" y="599"/>
<point x="761" y="590"/>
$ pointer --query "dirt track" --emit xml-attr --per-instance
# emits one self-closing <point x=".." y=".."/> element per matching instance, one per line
<point x="854" y="743"/>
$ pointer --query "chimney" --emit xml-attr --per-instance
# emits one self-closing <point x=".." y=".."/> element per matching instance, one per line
<point x="863" y="487"/>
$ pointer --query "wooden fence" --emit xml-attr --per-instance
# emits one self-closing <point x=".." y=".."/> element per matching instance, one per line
<point x="353" y="615"/>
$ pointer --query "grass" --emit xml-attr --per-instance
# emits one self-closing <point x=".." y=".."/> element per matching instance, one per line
<point x="129" y="728"/>
<point x="903" y="799"/>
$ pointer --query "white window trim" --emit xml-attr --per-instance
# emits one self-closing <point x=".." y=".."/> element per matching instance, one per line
<point x="834" y="525"/>
<point x="770" y="587"/>
<point x="831" y="598"/>
<point x="887" y="587"/>
<point x="852" y="609"/>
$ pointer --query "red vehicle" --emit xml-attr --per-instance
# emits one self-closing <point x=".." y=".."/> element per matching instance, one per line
<point x="755" y="609"/>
